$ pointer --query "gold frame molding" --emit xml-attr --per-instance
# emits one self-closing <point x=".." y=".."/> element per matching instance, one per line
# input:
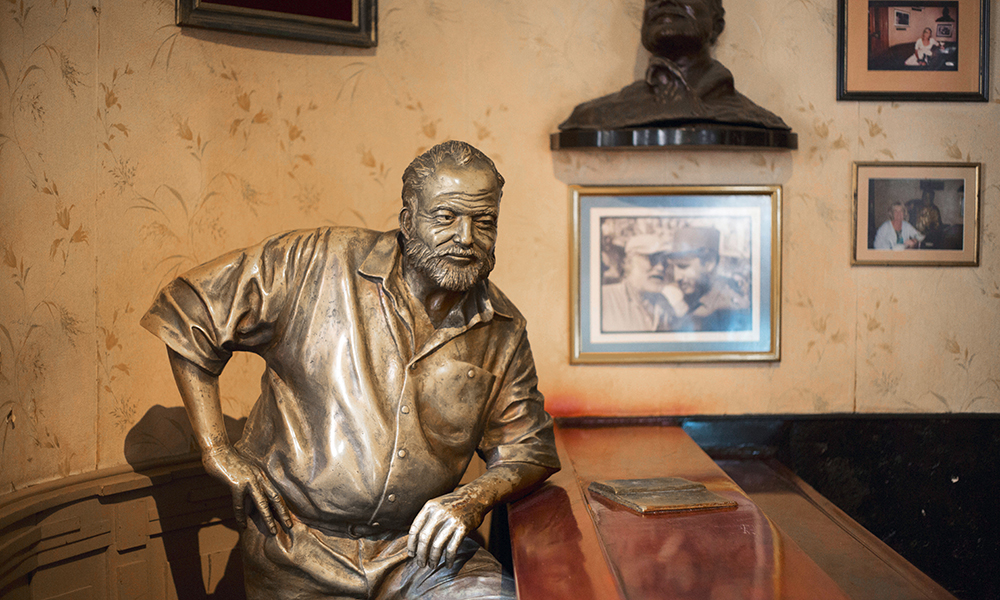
<point x="764" y="199"/>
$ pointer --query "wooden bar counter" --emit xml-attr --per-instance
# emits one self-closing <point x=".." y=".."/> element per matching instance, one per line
<point x="567" y="543"/>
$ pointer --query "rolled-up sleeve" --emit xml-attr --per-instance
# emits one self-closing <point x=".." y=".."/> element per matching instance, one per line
<point x="519" y="430"/>
<point x="232" y="303"/>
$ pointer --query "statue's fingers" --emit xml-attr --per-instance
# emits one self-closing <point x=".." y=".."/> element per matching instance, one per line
<point x="441" y="538"/>
<point x="451" y="552"/>
<point x="276" y="501"/>
<point x="241" y="514"/>
<point x="425" y="538"/>
<point x="414" y="533"/>
<point x="260" y="501"/>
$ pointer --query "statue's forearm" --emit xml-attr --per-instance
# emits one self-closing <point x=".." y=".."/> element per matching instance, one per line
<point x="200" y="393"/>
<point x="505" y="483"/>
<point x="443" y="522"/>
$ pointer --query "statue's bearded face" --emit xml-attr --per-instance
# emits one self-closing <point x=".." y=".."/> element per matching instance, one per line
<point x="451" y="234"/>
<point x="670" y="25"/>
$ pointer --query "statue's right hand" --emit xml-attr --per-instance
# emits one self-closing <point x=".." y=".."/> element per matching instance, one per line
<point x="246" y="479"/>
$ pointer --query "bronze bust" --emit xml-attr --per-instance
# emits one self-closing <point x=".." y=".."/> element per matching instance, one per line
<point x="683" y="83"/>
<point x="390" y="359"/>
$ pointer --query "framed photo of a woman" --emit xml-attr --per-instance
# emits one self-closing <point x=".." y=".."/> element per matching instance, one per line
<point x="916" y="214"/>
<point x="929" y="50"/>
<point x="676" y="274"/>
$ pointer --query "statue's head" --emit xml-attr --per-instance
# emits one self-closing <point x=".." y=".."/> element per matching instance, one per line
<point x="451" y="202"/>
<point x="678" y="27"/>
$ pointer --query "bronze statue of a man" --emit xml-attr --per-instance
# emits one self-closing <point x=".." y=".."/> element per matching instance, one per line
<point x="683" y="83"/>
<point x="390" y="359"/>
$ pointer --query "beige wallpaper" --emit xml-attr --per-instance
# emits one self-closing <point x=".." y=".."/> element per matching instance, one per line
<point x="131" y="150"/>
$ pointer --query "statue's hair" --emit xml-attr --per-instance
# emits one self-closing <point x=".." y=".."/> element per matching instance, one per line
<point x="453" y="152"/>
<point x="718" y="19"/>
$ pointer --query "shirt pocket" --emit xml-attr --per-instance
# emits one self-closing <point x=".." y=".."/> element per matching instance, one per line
<point x="452" y="401"/>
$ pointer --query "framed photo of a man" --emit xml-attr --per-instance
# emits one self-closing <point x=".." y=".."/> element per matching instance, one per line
<point x="676" y="274"/>
<point x="914" y="50"/>
<point x="916" y="214"/>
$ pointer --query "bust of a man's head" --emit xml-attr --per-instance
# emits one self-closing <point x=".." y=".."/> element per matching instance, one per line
<point x="683" y="85"/>
<point x="675" y="28"/>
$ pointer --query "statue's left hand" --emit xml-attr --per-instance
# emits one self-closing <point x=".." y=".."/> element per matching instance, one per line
<point x="441" y="525"/>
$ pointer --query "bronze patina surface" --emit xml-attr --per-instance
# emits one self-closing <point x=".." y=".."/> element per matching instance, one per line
<point x="390" y="359"/>
<point x="683" y="86"/>
<point x="659" y="494"/>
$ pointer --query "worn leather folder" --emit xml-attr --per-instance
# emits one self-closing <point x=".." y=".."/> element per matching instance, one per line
<point x="659" y="494"/>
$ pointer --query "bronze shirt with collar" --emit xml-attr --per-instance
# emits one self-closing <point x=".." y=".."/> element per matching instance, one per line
<point x="354" y="424"/>
<point x="708" y="96"/>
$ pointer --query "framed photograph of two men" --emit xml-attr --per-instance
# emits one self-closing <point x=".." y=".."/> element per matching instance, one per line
<point x="676" y="274"/>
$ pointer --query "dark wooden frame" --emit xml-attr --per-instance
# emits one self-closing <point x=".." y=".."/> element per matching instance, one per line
<point x="361" y="32"/>
<point x="983" y="46"/>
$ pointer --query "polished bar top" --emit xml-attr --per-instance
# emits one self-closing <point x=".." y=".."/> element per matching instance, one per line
<point x="567" y="543"/>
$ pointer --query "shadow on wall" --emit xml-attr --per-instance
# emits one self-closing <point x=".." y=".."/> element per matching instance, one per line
<point x="164" y="435"/>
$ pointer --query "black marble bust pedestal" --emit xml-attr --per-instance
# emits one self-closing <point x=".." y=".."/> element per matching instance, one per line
<point x="719" y="136"/>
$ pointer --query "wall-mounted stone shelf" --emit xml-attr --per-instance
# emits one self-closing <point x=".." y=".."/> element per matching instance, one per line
<point x="730" y="137"/>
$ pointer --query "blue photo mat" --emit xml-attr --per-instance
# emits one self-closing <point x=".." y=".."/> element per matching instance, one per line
<point x="759" y="201"/>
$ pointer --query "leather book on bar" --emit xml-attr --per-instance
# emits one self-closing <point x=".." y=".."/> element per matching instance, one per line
<point x="659" y="495"/>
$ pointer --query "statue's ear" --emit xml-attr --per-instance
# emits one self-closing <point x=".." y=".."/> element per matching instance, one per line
<point x="717" y="28"/>
<point x="404" y="218"/>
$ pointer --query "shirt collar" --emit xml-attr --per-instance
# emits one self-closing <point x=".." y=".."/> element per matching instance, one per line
<point x="384" y="262"/>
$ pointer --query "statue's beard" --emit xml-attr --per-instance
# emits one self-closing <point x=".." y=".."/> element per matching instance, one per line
<point x="439" y="269"/>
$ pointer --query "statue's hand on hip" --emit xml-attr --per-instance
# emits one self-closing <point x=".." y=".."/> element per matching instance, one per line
<point x="441" y="525"/>
<point x="247" y="480"/>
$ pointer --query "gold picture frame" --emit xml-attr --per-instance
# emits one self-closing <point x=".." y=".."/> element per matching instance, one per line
<point x="675" y="274"/>
<point x="916" y="214"/>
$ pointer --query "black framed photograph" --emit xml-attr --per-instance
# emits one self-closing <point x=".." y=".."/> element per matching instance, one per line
<point x="902" y="17"/>
<point x="917" y="50"/>
<point x="676" y="274"/>
<point x="343" y="22"/>
<point x="916" y="214"/>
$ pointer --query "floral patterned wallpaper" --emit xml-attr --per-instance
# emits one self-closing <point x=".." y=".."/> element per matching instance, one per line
<point x="131" y="150"/>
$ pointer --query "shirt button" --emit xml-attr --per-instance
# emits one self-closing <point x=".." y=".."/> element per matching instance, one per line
<point x="471" y="373"/>
<point x="405" y="410"/>
<point x="392" y="497"/>
<point x="401" y="454"/>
